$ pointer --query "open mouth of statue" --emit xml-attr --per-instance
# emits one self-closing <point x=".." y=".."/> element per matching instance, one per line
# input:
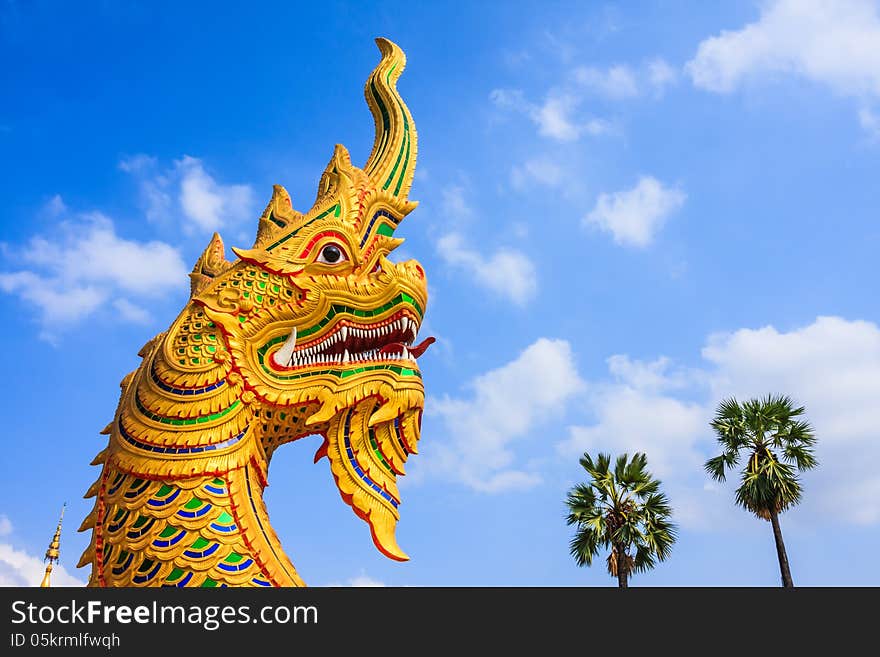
<point x="391" y="339"/>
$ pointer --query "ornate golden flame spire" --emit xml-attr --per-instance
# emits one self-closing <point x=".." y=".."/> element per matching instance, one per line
<point x="53" y="551"/>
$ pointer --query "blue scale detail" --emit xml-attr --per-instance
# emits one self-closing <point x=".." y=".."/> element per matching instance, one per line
<point x="164" y="502"/>
<point x="181" y="583"/>
<point x="260" y="582"/>
<point x="215" y="490"/>
<point x="207" y="552"/>
<point x="198" y="513"/>
<point x="116" y="485"/>
<point x="118" y="570"/>
<point x="142" y="579"/>
<point x="180" y="450"/>
<point x="185" y="391"/>
<point x="380" y="213"/>
<point x="174" y="540"/>
<point x="137" y="533"/>
<point x="235" y="567"/>
<point x="357" y="468"/>
<point x="131" y="494"/>
<point x="115" y="527"/>
<point x="223" y="528"/>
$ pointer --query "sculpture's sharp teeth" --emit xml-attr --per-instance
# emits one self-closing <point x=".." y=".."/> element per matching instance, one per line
<point x="343" y="333"/>
<point x="284" y="356"/>
<point x="345" y="356"/>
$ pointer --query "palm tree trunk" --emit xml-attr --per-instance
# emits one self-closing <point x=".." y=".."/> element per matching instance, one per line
<point x="780" y="550"/>
<point x="621" y="568"/>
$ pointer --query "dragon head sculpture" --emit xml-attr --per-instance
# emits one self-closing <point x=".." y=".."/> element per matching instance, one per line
<point x="336" y="328"/>
<point x="311" y="331"/>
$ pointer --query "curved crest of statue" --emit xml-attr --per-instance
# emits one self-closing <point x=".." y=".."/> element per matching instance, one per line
<point x="311" y="331"/>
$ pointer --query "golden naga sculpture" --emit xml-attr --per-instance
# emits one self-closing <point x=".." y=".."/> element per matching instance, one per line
<point x="311" y="331"/>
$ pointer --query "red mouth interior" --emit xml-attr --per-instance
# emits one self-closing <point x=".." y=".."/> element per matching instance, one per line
<point x="415" y="352"/>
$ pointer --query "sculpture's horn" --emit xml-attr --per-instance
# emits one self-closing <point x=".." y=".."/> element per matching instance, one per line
<point x="392" y="161"/>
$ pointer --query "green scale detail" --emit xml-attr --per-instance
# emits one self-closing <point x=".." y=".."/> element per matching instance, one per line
<point x="194" y="503"/>
<point x="377" y="452"/>
<point x="140" y="522"/>
<point x="168" y="532"/>
<point x="200" y="543"/>
<point x="185" y="421"/>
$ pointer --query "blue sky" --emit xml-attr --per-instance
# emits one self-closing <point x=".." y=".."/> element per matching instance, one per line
<point x="627" y="212"/>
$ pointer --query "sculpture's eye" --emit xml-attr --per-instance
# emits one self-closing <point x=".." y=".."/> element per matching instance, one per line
<point x="332" y="254"/>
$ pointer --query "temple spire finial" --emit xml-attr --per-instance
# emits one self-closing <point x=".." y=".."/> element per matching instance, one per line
<point x="53" y="552"/>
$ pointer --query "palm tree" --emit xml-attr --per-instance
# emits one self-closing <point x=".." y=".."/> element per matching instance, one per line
<point x="778" y="446"/>
<point x="622" y="509"/>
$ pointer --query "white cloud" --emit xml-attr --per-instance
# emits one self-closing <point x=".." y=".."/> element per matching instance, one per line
<point x="554" y="117"/>
<point x="209" y="204"/>
<point x="70" y="276"/>
<point x="624" y="82"/>
<point x="130" y="312"/>
<point x="541" y="170"/>
<point x="56" y="302"/>
<point x="138" y="163"/>
<point x="661" y="75"/>
<point x="55" y="207"/>
<point x="155" y="186"/>
<point x="651" y="375"/>
<point x="506" y="272"/>
<point x="365" y="581"/>
<point x="206" y="204"/>
<point x="830" y="42"/>
<point x="635" y="215"/>
<point x="831" y="366"/>
<point x="505" y="406"/>
<point x="870" y="122"/>
<point x="90" y="251"/>
<point x="617" y="82"/>
<point x="633" y="420"/>
<point x="454" y="203"/>
<point x="559" y="115"/>
<point x="360" y="581"/>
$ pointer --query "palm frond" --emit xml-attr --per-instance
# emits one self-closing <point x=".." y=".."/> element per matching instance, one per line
<point x="621" y="508"/>
<point x="584" y="546"/>
<point x="778" y="442"/>
<point x="644" y="559"/>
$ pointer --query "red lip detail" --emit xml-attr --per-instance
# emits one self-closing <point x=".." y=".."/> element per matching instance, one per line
<point x="415" y="352"/>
